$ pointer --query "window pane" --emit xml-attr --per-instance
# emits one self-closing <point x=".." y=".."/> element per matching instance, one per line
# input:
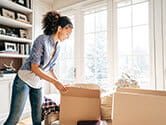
<point x="95" y="46"/>
<point x="124" y="17"/>
<point x="141" y="40"/>
<point x="142" y="68"/>
<point x="101" y="46"/>
<point x="143" y="63"/>
<point x="140" y="14"/>
<point x="138" y="1"/>
<point x="66" y="69"/>
<point x="125" y="63"/>
<point x="124" y="3"/>
<point x="90" y="45"/>
<point x="101" y="69"/>
<point x="124" y="41"/>
<point x="133" y="42"/>
<point x="90" y="69"/>
<point x="67" y="50"/>
<point x="89" y="23"/>
<point x="101" y="21"/>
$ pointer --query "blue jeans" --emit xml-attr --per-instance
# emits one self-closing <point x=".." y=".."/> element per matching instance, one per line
<point x="20" y="93"/>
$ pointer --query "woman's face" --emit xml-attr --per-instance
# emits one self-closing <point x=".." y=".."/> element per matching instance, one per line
<point x="64" y="33"/>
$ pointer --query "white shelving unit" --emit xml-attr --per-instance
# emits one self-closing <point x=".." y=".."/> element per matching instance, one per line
<point x="13" y="55"/>
<point x="5" y="21"/>
<point x="18" y="59"/>
<point x="15" y="39"/>
<point x="13" y="23"/>
<point x="14" y="6"/>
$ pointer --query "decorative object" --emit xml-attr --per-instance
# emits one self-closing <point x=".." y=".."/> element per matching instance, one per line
<point x="2" y="31"/>
<point x="22" y="18"/>
<point x="11" y="47"/>
<point x="12" y="32"/>
<point x="126" y="82"/>
<point x="23" y="33"/>
<point x="8" y="13"/>
<point x="9" y="67"/>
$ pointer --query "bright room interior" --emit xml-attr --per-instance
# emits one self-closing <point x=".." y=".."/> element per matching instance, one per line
<point x="115" y="44"/>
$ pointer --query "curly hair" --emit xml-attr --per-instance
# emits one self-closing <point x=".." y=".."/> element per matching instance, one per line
<point x="52" y="20"/>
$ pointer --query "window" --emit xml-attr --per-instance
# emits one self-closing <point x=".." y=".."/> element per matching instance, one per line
<point x="133" y="40"/>
<point x="95" y="46"/>
<point x="88" y="51"/>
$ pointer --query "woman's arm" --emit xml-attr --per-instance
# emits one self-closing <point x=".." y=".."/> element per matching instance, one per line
<point x="53" y="74"/>
<point x="35" y="68"/>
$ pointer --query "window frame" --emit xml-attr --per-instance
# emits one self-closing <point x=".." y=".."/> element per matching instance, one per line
<point x="111" y="39"/>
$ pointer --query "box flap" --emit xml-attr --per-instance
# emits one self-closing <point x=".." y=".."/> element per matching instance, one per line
<point x="82" y="92"/>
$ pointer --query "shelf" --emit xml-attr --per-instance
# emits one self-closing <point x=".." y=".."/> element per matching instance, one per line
<point x="15" y="39"/>
<point x="14" y="6"/>
<point x="13" y="23"/>
<point x="14" y="55"/>
<point x="9" y="76"/>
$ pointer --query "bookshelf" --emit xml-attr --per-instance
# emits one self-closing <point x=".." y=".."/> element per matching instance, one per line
<point x="13" y="35"/>
<point x="16" y="26"/>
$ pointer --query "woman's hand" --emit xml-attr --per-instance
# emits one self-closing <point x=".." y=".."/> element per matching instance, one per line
<point x="60" y="86"/>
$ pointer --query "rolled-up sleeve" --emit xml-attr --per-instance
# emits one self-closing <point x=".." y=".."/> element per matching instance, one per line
<point x="52" y="66"/>
<point x="37" y="50"/>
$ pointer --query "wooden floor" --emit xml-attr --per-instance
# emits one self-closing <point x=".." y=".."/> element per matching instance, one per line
<point x="28" y="121"/>
<point x="25" y="121"/>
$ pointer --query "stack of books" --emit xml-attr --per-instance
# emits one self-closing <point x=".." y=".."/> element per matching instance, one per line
<point x="9" y="52"/>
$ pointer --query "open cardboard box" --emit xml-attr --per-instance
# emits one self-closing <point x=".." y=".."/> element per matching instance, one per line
<point x="139" y="107"/>
<point x="79" y="103"/>
<point x="130" y="107"/>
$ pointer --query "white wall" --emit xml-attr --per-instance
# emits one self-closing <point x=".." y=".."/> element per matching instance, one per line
<point x="58" y="4"/>
<point x="159" y="23"/>
<point x="39" y="9"/>
<point x="164" y="37"/>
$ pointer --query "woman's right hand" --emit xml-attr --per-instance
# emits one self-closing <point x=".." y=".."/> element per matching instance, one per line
<point x="60" y="86"/>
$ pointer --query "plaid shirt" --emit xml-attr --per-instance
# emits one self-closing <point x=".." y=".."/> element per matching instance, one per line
<point x="48" y="107"/>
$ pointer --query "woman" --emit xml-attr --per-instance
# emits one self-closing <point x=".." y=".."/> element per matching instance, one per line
<point x="41" y="60"/>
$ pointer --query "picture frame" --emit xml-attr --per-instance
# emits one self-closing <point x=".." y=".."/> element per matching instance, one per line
<point x="21" y="2"/>
<point x="23" y="34"/>
<point x="11" y="47"/>
<point x="22" y="17"/>
<point x="8" y="13"/>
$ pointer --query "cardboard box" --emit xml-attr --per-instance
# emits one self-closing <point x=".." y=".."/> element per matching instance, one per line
<point x="139" y="107"/>
<point x="79" y="104"/>
<point x="142" y="91"/>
